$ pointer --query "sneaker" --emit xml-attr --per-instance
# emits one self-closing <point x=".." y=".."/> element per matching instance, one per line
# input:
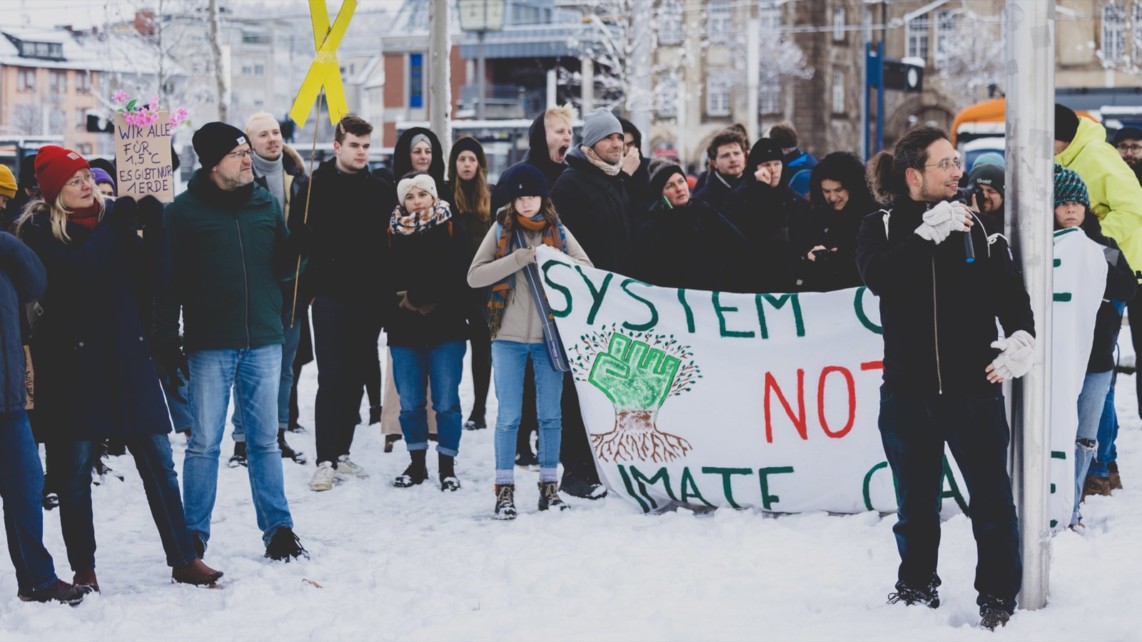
<point x="925" y="595"/>
<point x="239" y="456"/>
<point x="390" y="440"/>
<point x="285" y="546"/>
<point x="346" y="468"/>
<point x="527" y="459"/>
<point x="50" y="500"/>
<point x="1115" y="478"/>
<point x="1096" y="486"/>
<point x="505" y="502"/>
<point x="196" y="574"/>
<point x="61" y="592"/>
<point x="549" y="497"/>
<point x="287" y="451"/>
<point x="584" y="489"/>
<point x="991" y="618"/>
<point x="323" y="478"/>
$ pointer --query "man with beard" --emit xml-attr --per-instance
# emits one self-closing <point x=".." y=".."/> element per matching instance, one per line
<point x="840" y="199"/>
<point x="727" y="155"/>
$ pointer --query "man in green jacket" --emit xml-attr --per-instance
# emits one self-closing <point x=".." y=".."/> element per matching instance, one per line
<point x="229" y="250"/>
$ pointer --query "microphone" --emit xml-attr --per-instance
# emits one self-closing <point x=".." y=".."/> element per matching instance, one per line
<point x="969" y="248"/>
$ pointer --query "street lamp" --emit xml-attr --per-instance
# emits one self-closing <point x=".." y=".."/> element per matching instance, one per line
<point x="481" y="16"/>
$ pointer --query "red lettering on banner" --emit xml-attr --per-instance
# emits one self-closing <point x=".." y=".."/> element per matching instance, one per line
<point x="798" y="419"/>
<point x="851" y="389"/>
<point x="872" y="365"/>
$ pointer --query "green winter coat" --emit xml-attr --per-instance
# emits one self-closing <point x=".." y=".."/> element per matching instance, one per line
<point x="1115" y="195"/>
<point x="228" y="256"/>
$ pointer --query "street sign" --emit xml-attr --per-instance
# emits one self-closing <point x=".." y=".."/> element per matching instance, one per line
<point x="481" y="15"/>
<point x="903" y="76"/>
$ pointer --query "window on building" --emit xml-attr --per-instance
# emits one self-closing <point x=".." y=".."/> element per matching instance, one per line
<point x="57" y="82"/>
<point x="81" y="118"/>
<point x="719" y="85"/>
<point x="85" y="149"/>
<point x="916" y="37"/>
<point x="83" y="82"/>
<point x="416" y="80"/>
<point x="26" y="80"/>
<point x="838" y="92"/>
<point x="719" y="15"/>
<point x="946" y="25"/>
<point x="1137" y="30"/>
<point x="769" y="96"/>
<point x="1113" y="32"/>
<point x="839" y="22"/>
<point x="769" y="21"/>
<point x="666" y="96"/>
<point x="670" y="22"/>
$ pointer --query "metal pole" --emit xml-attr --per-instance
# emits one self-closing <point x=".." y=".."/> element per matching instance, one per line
<point x="880" y="96"/>
<point x="752" y="76"/>
<point x="1030" y="55"/>
<point x="641" y="92"/>
<point x="481" y="72"/>
<point x="552" y="86"/>
<point x="587" y="85"/>
<point x="440" y="85"/>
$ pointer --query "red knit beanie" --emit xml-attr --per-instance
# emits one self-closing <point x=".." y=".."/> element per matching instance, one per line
<point x="54" y="167"/>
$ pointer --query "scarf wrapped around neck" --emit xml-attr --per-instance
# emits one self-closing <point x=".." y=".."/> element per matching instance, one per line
<point x="86" y="217"/>
<point x="500" y="293"/>
<point x="407" y="223"/>
<point x="604" y="166"/>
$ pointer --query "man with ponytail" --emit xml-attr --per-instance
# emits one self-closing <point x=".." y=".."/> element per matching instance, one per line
<point x="944" y="363"/>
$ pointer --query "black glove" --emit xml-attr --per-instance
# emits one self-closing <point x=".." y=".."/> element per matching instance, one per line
<point x="150" y="213"/>
<point x="124" y="212"/>
<point x="170" y="361"/>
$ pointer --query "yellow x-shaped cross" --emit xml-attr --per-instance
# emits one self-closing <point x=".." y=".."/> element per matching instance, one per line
<point x="324" y="70"/>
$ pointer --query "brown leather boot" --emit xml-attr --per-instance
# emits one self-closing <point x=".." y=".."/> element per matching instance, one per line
<point x="86" y="577"/>
<point x="1115" y="478"/>
<point x="1096" y="486"/>
<point x="196" y="573"/>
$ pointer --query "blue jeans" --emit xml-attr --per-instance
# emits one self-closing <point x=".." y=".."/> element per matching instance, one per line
<point x="179" y="406"/>
<point x="413" y="370"/>
<point x="510" y="361"/>
<point x="289" y="351"/>
<point x="1107" y="435"/>
<point x="913" y="431"/>
<point x="153" y="460"/>
<point x="1092" y="401"/>
<point x="21" y="483"/>
<point x="254" y="374"/>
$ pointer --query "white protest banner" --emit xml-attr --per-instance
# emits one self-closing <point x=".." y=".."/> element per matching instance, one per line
<point x="143" y="158"/>
<point x="709" y="399"/>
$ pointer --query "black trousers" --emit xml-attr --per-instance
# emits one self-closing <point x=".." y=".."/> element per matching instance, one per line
<point x="345" y="343"/>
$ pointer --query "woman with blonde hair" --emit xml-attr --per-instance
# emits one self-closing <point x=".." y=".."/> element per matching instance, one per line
<point x="94" y="375"/>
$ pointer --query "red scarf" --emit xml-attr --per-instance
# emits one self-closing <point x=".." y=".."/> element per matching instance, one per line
<point x="86" y="217"/>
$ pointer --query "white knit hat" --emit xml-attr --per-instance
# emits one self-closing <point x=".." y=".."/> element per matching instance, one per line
<point x="423" y="181"/>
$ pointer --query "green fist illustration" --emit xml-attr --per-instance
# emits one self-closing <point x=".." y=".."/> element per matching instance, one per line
<point x="633" y="375"/>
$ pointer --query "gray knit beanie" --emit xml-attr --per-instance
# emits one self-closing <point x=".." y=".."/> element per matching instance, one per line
<point x="598" y="125"/>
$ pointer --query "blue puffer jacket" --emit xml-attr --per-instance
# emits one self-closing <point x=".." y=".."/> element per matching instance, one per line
<point x="22" y="279"/>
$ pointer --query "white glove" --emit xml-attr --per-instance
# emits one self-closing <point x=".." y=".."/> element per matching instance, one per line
<point x="1016" y="354"/>
<point x="942" y="220"/>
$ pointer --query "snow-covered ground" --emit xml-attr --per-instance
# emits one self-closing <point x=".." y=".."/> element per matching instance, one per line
<point x="416" y="564"/>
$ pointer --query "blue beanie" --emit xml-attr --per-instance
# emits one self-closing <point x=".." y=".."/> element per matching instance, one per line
<point x="523" y="179"/>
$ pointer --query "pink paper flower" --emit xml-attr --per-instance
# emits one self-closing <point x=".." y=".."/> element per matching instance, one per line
<point x="119" y="97"/>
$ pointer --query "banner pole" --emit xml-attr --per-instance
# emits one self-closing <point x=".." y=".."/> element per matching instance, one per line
<point x="305" y="214"/>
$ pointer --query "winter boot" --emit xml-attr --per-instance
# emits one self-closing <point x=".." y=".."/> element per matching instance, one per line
<point x="475" y="422"/>
<point x="925" y="595"/>
<point x="50" y="499"/>
<point x="580" y="486"/>
<point x="1115" y="478"/>
<point x="287" y="451"/>
<point x="61" y="592"/>
<point x="86" y="579"/>
<point x="239" y="456"/>
<point x="285" y="546"/>
<point x="390" y="440"/>
<point x="991" y="618"/>
<point x="374" y="415"/>
<point x="448" y="479"/>
<point x="505" y="502"/>
<point x="416" y="472"/>
<point x="196" y="573"/>
<point x="1096" y="486"/>
<point x="549" y="497"/>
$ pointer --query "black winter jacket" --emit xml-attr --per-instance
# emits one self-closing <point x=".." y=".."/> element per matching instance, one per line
<point x="596" y="208"/>
<point x="692" y="247"/>
<point x="22" y="279"/>
<point x="835" y="270"/>
<point x="432" y="267"/>
<point x="716" y="191"/>
<point x="762" y="213"/>
<point x="1120" y="287"/>
<point x="938" y="311"/>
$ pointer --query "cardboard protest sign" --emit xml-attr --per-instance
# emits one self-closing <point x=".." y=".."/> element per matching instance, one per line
<point x="143" y="158"/>
<point x="709" y="399"/>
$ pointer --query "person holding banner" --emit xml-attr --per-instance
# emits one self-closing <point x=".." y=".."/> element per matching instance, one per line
<point x="427" y="324"/>
<point x="840" y="199"/>
<point x="513" y="317"/>
<point x="94" y="375"/>
<point x="943" y="363"/>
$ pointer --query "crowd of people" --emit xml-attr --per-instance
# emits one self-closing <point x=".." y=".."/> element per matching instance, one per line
<point x="124" y="320"/>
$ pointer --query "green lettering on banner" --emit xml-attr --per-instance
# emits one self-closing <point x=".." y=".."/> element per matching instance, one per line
<point x="727" y="483"/>
<point x="779" y="302"/>
<point x="858" y="306"/>
<point x="688" y="484"/>
<point x="596" y="295"/>
<point x="639" y="327"/>
<point x="954" y="489"/>
<point x="630" y="489"/>
<point x="768" y="500"/>
<point x="868" y="483"/>
<point x="643" y="480"/>
<point x="1056" y="454"/>
<point x="687" y="310"/>
<point x="718" y="309"/>
<point x="555" y="286"/>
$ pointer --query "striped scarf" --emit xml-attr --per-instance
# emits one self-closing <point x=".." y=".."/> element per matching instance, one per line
<point x="501" y="292"/>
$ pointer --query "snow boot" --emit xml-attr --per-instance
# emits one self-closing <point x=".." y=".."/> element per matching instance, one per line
<point x="505" y="502"/>
<point x="285" y="546"/>
<point x="239" y="456"/>
<point x="1115" y="478"/>
<point x="416" y="472"/>
<point x="374" y="415"/>
<point x="390" y="440"/>
<point x="86" y="579"/>
<point x="476" y="422"/>
<point x="1095" y="486"/>
<point x="61" y="592"/>
<point x="582" y="488"/>
<point x="991" y="618"/>
<point x="925" y="595"/>
<point x="50" y="500"/>
<point x="196" y="573"/>
<point x="549" y="497"/>
<point x="288" y="452"/>
<point x="448" y="479"/>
